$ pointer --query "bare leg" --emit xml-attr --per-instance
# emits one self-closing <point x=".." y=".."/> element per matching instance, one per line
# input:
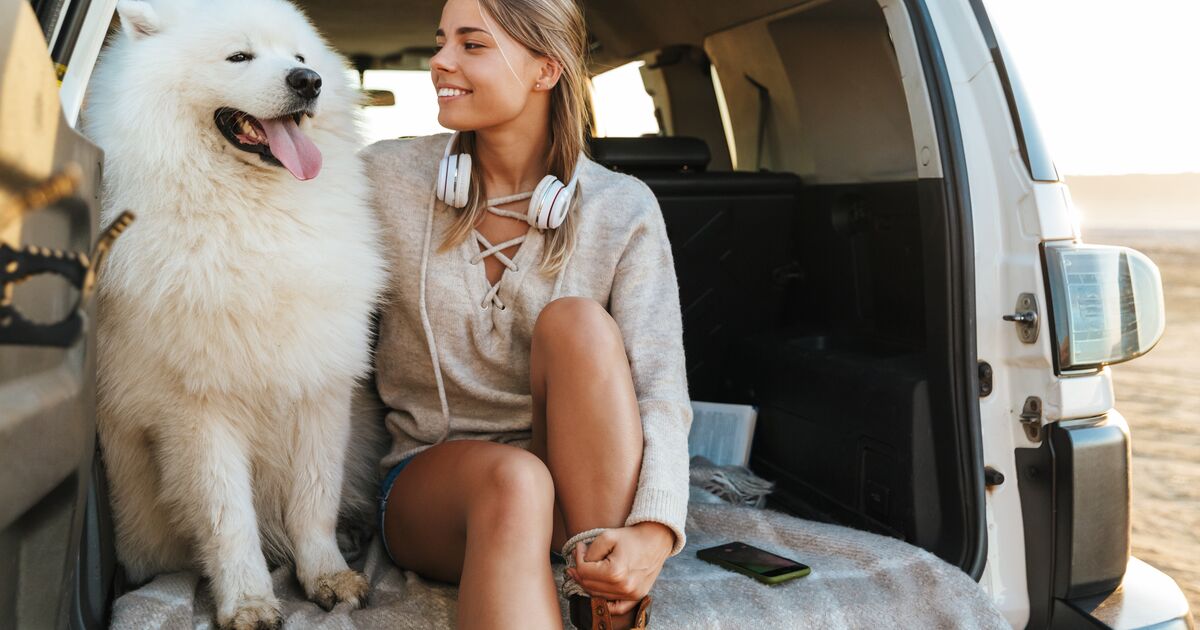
<point x="479" y="513"/>
<point x="586" y="423"/>
<point x="322" y="430"/>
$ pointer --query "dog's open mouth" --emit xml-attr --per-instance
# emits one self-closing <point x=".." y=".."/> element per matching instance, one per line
<point x="278" y="141"/>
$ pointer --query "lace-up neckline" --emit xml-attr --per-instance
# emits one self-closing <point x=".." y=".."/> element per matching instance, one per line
<point x="492" y="297"/>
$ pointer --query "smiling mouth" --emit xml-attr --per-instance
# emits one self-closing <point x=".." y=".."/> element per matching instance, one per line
<point x="277" y="141"/>
<point x="451" y="92"/>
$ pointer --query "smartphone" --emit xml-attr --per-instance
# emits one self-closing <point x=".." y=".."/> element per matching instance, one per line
<point x="759" y="564"/>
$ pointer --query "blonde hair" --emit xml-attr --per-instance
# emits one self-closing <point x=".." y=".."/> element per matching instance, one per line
<point x="553" y="28"/>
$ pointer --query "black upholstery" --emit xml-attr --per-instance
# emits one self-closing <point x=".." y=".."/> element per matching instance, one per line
<point x="808" y="302"/>
<point x="726" y="184"/>
<point x="650" y="153"/>
<point x="732" y="235"/>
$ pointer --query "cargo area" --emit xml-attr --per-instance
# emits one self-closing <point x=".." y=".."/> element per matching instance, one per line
<point x="812" y="262"/>
<point x="807" y="185"/>
<point x="814" y="256"/>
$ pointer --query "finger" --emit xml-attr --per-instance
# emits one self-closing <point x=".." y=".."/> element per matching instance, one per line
<point x="600" y="547"/>
<point x="607" y="590"/>
<point x="578" y="552"/>
<point x="589" y="569"/>
<point x="604" y="572"/>
<point x="605" y="593"/>
<point x="592" y="584"/>
<point x="621" y="606"/>
<point x="600" y="589"/>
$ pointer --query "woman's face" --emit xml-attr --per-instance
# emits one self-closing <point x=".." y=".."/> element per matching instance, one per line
<point x="476" y="88"/>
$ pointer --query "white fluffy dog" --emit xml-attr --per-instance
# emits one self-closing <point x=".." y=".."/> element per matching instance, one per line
<point x="234" y="312"/>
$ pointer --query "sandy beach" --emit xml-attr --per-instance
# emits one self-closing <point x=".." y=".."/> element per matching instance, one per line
<point x="1159" y="394"/>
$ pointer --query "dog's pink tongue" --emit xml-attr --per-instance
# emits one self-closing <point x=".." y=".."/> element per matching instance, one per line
<point x="292" y="148"/>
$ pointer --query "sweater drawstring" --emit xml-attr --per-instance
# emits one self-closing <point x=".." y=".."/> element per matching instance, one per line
<point x="433" y="353"/>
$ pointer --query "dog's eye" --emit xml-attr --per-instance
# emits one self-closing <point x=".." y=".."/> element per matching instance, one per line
<point x="300" y="58"/>
<point x="239" y="57"/>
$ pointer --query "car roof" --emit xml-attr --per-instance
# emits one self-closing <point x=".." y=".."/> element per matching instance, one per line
<point x="621" y="29"/>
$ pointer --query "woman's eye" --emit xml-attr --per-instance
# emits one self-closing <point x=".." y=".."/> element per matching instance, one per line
<point x="239" y="57"/>
<point x="300" y="58"/>
<point x="472" y="46"/>
<point x="437" y="48"/>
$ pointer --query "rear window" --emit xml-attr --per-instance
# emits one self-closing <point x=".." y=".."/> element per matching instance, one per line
<point x="1034" y="150"/>
<point x="621" y="104"/>
<point x="416" y="109"/>
<point x="619" y="99"/>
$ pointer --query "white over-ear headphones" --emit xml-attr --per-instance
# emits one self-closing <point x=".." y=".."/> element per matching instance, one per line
<point x="547" y="207"/>
<point x="454" y="176"/>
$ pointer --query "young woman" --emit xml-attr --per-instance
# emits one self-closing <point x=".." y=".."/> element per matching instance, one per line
<point x="530" y="354"/>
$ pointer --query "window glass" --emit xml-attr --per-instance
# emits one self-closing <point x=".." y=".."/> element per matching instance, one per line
<point x="621" y="104"/>
<point x="619" y="99"/>
<point x="416" y="109"/>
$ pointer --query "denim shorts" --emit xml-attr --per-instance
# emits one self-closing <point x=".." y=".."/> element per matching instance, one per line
<point x="385" y="489"/>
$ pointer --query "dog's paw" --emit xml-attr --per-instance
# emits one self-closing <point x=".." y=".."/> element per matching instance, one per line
<point x="255" y="614"/>
<point x="344" y="586"/>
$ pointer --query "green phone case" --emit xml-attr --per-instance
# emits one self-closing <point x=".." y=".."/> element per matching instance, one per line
<point x="709" y="555"/>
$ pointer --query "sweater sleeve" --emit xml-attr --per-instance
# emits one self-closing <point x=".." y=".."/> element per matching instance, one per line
<point x="645" y="304"/>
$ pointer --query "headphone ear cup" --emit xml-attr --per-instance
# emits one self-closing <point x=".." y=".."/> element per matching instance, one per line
<point x="462" y="183"/>
<point x="452" y="179"/>
<point x="440" y="190"/>
<point x="553" y="192"/>
<point x="539" y="199"/>
<point x="559" y="204"/>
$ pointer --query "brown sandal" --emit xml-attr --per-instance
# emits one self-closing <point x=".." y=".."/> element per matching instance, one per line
<point x="591" y="613"/>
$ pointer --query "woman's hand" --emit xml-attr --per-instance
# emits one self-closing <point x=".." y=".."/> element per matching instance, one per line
<point x="621" y="564"/>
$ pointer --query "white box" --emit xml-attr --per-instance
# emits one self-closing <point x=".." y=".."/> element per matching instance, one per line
<point x="722" y="432"/>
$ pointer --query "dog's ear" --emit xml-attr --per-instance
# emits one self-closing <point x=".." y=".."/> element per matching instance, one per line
<point x="138" y="18"/>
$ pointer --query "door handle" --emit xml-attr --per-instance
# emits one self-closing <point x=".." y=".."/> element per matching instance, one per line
<point x="79" y="269"/>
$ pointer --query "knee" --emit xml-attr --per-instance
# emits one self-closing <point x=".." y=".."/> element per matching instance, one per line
<point x="576" y="323"/>
<point x="517" y="489"/>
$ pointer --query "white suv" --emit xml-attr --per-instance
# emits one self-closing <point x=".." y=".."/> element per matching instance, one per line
<point x="873" y="248"/>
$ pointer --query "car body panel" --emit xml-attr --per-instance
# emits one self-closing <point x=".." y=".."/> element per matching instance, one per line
<point x="47" y="417"/>
<point x="47" y="433"/>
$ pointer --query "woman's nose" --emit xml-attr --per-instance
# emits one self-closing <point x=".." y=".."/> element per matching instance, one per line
<point x="443" y="61"/>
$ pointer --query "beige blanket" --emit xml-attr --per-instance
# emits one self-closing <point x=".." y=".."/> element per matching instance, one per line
<point x="858" y="580"/>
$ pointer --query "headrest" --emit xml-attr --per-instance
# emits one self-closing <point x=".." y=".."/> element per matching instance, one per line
<point x="651" y="153"/>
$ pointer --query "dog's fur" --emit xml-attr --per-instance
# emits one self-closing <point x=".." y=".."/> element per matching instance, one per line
<point x="234" y="312"/>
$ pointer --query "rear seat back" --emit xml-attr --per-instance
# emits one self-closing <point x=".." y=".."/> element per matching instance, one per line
<point x="651" y="154"/>
<point x="733" y="236"/>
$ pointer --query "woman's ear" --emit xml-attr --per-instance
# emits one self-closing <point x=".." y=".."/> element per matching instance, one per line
<point x="549" y="73"/>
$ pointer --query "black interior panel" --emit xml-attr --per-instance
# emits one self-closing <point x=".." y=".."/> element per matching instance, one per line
<point x="809" y="302"/>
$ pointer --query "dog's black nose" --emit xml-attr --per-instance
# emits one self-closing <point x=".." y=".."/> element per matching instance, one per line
<point x="305" y="82"/>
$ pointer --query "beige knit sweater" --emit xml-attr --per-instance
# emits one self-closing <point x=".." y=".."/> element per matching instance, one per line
<point x="453" y="358"/>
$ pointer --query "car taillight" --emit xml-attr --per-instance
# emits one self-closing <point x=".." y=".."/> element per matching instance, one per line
<point x="1106" y="304"/>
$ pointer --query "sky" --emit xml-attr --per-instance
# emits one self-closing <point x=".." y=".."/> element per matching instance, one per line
<point x="1115" y="85"/>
